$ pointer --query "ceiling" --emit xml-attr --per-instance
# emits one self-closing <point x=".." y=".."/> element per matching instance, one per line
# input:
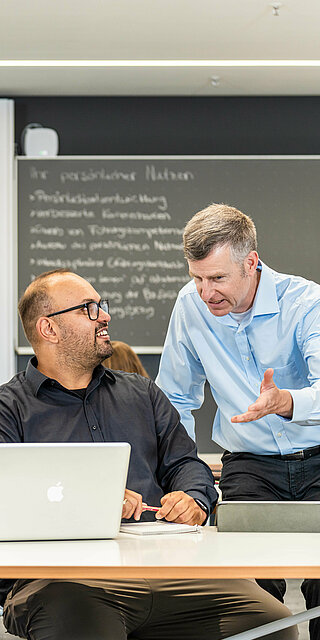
<point x="188" y="30"/>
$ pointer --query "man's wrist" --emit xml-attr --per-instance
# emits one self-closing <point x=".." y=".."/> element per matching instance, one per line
<point x="204" y="508"/>
<point x="286" y="410"/>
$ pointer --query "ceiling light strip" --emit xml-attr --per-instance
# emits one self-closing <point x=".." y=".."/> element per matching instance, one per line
<point x="159" y="63"/>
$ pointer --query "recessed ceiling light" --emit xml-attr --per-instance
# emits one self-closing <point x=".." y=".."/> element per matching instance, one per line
<point x="275" y="7"/>
<point x="215" y="81"/>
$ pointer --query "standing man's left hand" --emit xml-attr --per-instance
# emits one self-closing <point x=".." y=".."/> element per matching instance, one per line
<point x="178" y="506"/>
<point x="271" y="400"/>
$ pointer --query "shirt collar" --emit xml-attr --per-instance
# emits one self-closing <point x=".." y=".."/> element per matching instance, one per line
<point x="36" y="379"/>
<point x="266" y="300"/>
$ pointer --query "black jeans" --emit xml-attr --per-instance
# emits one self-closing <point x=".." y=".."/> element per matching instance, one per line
<point x="246" y="476"/>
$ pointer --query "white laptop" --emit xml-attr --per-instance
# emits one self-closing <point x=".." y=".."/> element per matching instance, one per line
<point x="62" y="491"/>
<point x="268" y="516"/>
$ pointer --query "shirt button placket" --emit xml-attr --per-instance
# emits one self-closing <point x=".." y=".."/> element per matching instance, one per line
<point x="92" y="425"/>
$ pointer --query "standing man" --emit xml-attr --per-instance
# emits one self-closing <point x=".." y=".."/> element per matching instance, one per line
<point x="254" y="334"/>
<point x="67" y="395"/>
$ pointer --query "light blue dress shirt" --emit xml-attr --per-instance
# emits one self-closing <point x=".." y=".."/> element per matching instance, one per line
<point x="282" y="331"/>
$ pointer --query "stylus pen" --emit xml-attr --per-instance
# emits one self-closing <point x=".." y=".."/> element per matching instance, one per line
<point x="147" y="507"/>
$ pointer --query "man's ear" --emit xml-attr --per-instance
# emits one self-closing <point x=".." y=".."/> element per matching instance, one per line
<point x="251" y="263"/>
<point x="47" y="330"/>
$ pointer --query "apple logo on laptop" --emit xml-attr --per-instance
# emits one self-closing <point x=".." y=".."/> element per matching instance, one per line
<point x="55" y="493"/>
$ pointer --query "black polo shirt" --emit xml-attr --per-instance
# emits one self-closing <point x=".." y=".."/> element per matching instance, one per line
<point x="116" y="407"/>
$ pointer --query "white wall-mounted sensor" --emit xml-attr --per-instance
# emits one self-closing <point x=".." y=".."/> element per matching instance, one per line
<point x="39" y="141"/>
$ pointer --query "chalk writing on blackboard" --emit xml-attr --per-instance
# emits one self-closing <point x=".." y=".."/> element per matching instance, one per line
<point x="115" y="223"/>
<point x="118" y="222"/>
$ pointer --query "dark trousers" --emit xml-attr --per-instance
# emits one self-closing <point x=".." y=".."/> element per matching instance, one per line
<point x="141" y="610"/>
<point x="246" y="476"/>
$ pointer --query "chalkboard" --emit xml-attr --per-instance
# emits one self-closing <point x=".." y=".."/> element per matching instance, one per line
<point x="118" y="222"/>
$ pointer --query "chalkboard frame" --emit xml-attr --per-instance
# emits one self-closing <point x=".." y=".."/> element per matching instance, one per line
<point x="25" y="350"/>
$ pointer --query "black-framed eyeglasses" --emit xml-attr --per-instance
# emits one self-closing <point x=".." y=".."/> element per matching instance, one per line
<point x="91" y="307"/>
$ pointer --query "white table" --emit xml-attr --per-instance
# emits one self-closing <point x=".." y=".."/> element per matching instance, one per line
<point x="207" y="554"/>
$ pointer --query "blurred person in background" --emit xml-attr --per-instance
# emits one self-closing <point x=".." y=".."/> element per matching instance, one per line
<point x="123" y="358"/>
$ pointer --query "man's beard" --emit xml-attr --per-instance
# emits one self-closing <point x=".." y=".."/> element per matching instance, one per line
<point x="78" y="354"/>
<point x="106" y="352"/>
<point x="110" y="352"/>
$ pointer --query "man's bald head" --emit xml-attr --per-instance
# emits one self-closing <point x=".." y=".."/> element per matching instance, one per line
<point x="37" y="301"/>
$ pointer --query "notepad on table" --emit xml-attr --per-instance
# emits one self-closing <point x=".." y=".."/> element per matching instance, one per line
<point x="154" y="528"/>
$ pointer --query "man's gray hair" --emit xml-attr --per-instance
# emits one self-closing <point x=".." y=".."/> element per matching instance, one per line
<point x="216" y="226"/>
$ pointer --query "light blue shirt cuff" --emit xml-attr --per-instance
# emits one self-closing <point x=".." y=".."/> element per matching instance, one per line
<point x="302" y="403"/>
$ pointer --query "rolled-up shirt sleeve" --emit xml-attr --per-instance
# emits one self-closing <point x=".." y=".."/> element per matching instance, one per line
<point x="306" y="401"/>
<point x="181" y="375"/>
<point x="179" y="468"/>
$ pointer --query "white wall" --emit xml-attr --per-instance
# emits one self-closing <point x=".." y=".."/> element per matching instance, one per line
<point x="8" y="255"/>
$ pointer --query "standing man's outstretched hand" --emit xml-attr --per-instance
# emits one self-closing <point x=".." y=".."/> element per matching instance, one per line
<point x="271" y="400"/>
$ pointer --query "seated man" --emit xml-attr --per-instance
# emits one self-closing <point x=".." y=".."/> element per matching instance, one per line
<point x="66" y="395"/>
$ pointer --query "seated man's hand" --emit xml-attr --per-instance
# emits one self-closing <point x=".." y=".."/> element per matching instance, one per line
<point x="132" y="505"/>
<point x="271" y="400"/>
<point x="179" y="507"/>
